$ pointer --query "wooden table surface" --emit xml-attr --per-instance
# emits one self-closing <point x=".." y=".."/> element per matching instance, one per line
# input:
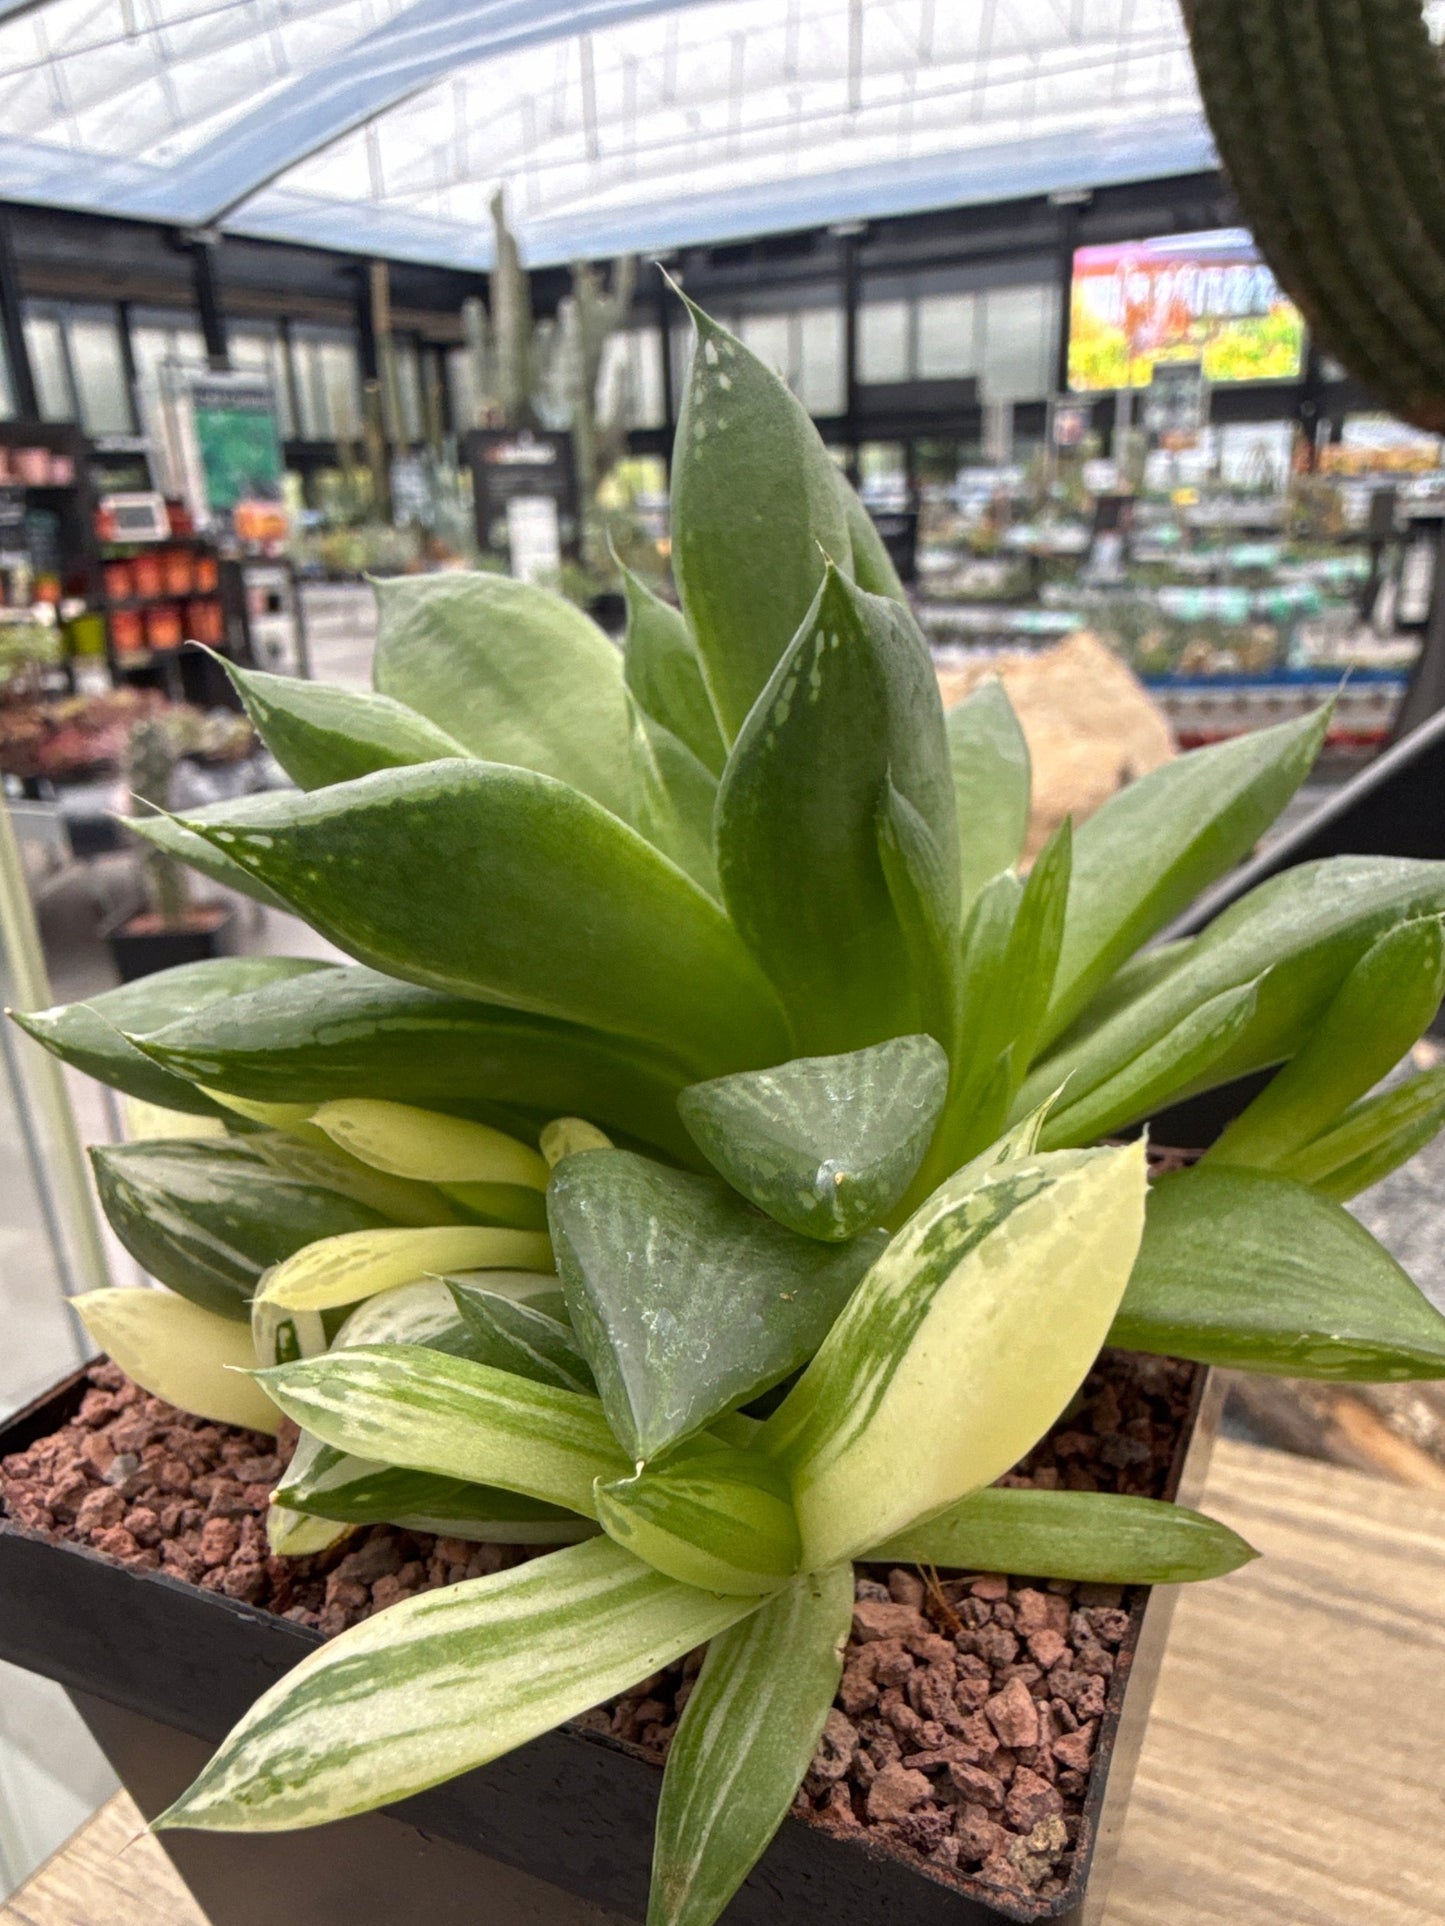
<point x="1294" y="1769"/>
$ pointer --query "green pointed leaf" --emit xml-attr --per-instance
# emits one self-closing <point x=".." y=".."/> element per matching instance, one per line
<point x="1182" y="1058"/>
<point x="1251" y="1270"/>
<point x="925" y="902"/>
<point x="208" y="1217"/>
<point x="1153" y="847"/>
<point x="661" y="667"/>
<point x="370" y="1036"/>
<point x="426" y="1313"/>
<point x="686" y="1301"/>
<point x="673" y="797"/>
<point x="961" y="1347"/>
<point x="756" y="508"/>
<point x="322" y="1482"/>
<point x="1372" y="1139"/>
<point x="512" y="888"/>
<point x="992" y="778"/>
<point x="713" y="1516"/>
<point x="852" y="705"/>
<point x="1381" y="1009"/>
<point x="89" y="1036"/>
<point x="444" y="1682"/>
<point x="516" y="674"/>
<point x="826" y="1145"/>
<point x="1302" y="932"/>
<point x="872" y="568"/>
<point x="512" y="1335"/>
<point x="402" y="1404"/>
<point x="395" y="1198"/>
<point x="357" y="1264"/>
<point x="1093" y="1536"/>
<point x="746" y="1737"/>
<point x="176" y="1350"/>
<point x="169" y="835"/>
<point x="322" y="734"/>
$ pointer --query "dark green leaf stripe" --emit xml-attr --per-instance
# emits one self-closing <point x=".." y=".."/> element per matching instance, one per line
<point x="404" y="1405"/>
<point x="363" y="1034"/>
<point x="717" y="1517"/>
<point x="1092" y="1536"/>
<point x="441" y="1683"/>
<point x="745" y="1740"/>
<point x="89" y="1035"/>
<point x="513" y="1336"/>
<point x="208" y="1217"/>
<point x="507" y="886"/>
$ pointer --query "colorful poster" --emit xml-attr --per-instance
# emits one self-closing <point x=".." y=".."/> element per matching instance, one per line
<point x="1205" y="298"/>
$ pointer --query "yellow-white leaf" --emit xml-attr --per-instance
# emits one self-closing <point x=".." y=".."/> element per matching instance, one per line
<point x="425" y="1144"/>
<point x="176" y="1351"/>
<point x="358" y="1264"/>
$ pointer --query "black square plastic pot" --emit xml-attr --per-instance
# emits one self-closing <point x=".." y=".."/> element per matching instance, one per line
<point x="557" y="1833"/>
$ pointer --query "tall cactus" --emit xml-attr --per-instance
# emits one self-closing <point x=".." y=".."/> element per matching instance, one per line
<point x="1329" y="116"/>
<point x="512" y="330"/>
<point x="150" y="768"/>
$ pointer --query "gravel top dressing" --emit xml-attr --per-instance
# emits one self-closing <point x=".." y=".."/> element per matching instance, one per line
<point x="965" y="1721"/>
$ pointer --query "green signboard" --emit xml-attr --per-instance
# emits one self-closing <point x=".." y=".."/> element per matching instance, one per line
<point x="236" y="440"/>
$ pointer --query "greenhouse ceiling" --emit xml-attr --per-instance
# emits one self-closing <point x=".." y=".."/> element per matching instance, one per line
<point x="384" y="126"/>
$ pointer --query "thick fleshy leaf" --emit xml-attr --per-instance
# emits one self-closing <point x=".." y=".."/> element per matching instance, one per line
<point x="358" y="1264"/>
<point x="190" y="846"/>
<point x="1381" y="1008"/>
<point x="661" y="667"/>
<point x="513" y="1335"/>
<point x="1372" y="1138"/>
<point x="426" y="1313"/>
<point x="565" y="1136"/>
<point x="444" y="1682"/>
<point x="746" y="1737"/>
<point x="992" y="777"/>
<point x="685" y="1300"/>
<point x="428" y="1145"/>
<point x="370" y="1036"/>
<point x="714" y="1517"/>
<point x="673" y="797"/>
<point x="980" y="1076"/>
<point x="510" y="887"/>
<point x="1177" y="1061"/>
<point x="174" y="1349"/>
<point x="401" y="1404"/>
<point x="516" y="674"/>
<point x="962" y="1345"/>
<point x="872" y="564"/>
<point x="1302" y="932"/>
<point x="1153" y="847"/>
<point x="315" y="1161"/>
<point x="1093" y="1536"/>
<point x="89" y="1035"/>
<point x="1248" y="1269"/>
<point x="925" y="901"/>
<point x="826" y="1145"/>
<point x="852" y="705"/>
<point x="756" y="510"/>
<point x="207" y="1218"/>
<point x="322" y="1482"/>
<point x="322" y="734"/>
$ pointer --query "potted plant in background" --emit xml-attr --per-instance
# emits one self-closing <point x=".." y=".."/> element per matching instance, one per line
<point x="172" y="928"/>
<point x="706" y="973"/>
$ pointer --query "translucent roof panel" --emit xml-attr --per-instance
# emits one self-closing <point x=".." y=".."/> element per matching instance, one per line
<point x="386" y="125"/>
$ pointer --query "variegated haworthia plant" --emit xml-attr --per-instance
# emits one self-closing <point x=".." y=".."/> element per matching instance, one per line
<point x="701" y="1167"/>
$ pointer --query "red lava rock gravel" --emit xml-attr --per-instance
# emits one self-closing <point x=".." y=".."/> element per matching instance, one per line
<point x="964" y="1725"/>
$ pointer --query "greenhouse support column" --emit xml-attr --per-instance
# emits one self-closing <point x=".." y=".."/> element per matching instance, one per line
<point x="12" y="319"/>
<point x="664" y="299"/>
<point x="206" y="287"/>
<point x="848" y="260"/>
<point x="368" y="349"/>
<point x="1068" y="205"/>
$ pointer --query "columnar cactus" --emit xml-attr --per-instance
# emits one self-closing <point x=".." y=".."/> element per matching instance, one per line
<point x="1330" y="119"/>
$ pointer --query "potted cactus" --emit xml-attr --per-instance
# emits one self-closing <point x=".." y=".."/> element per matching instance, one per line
<point x="171" y="929"/>
<point x="717" y="1170"/>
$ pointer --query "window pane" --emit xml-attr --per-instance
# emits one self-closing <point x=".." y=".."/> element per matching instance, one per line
<point x="770" y="337"/>
<point x="883" y="341"/>
<point x="1018" y="343"/>
<point x="820" y="385"/>
<point x="47" y="365"/>
<point x="260" y="351"/>
<point x="105" y="404"/>
<point x="947" y="325"/>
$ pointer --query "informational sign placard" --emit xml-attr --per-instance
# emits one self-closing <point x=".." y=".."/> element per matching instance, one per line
<point x="218" y="445"/>
<point x="530" y="465"/>
<point x="533" y="538"/>
<point x="1176" y="404"/>
<point x="1206" y="298"/>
